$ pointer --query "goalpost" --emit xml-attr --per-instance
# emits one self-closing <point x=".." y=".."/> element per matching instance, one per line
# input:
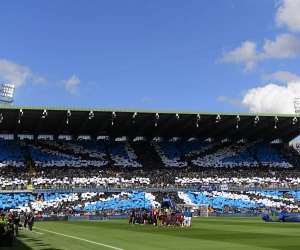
<point x="203" y="210"/>
<point x="196" y="208"/>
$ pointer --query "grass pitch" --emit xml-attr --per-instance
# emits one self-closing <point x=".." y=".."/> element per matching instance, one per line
<point x="205" y="233"/>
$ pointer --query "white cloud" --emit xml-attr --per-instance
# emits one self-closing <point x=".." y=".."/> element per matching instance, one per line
<point x="281" y="76"/>
<point x="13" y="73"/>
<point x="245" y="54"/>
<point x="284" y="46"/>
<point x="272" y="98"/>
<point x="229" y="4"/>
<point x="39" y="79"/>
<point x="235" y="102"/>
<point x="146" y="99"/>
<point x="71" y="84"/>
<point x="288" y="14"/>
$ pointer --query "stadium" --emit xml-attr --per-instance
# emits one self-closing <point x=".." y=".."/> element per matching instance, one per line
<point x="218" y="164"/>
<point x="156" y="125"/>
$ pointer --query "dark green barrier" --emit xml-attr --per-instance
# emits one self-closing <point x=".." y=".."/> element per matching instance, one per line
<point x="288" y="214"/>
<point x="51" y="218"/>
<point x="99" y="217"/>
<point x="237" y="214"/>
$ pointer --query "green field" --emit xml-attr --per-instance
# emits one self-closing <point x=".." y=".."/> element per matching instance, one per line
<point x="206" y="233"/>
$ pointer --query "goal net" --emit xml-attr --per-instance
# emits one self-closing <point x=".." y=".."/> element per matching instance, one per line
<point x="199" y="210"/>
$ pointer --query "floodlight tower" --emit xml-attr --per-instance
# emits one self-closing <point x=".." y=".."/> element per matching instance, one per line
<point x="297" y="105"/>
<point x="6" y="94"/>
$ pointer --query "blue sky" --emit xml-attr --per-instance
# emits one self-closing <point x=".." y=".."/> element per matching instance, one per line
<point x="222" y="55"/>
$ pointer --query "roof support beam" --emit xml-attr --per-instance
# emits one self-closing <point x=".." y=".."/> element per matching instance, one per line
<point x="220" y="127"/>
<point x="270" y="129"/>
<point x="81" y="127"/>
<point x="282" y="131"/>
<point x="251" y="130"/>
<point x="182" y="125"/>
<point x="125" y="124"/>
<point x="291" y="136"/>
<point x="39" y="127"/>
<point x="230" y="132"/>
<point x="60" y="127"/>
<point x="162" y="126"/>
<point x="142" y="127"/>
<point x="101" y="127"/>
<point x="20" y="114"/>
<point x="16" y="129"/>
<point x="203" y="127"/>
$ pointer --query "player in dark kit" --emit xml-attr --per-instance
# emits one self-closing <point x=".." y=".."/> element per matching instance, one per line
<point x="181" y="219"/>
<point x="30" y="219"/>
<point x="265" y="217"/>
<point x="16" y="222"/>
<point x="169" y="220"/>
<point x="145" y="216"/>
<point x="132" y="217"/>
<point x="25" y="219"/>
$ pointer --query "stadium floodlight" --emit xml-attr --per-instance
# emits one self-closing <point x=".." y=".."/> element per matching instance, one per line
<point x="7" y="94"/>
<point x="68" y="116"/>
<point x="44" y="114"/>
<point x="155" y="119"/>
<point x="294" y="120"/>
<point x="133" y="117"/>
<point x="91" y="115"/>
<point x="21" y="113"/>
<point x="237" y="121"/>
<point x="112" y="118"/>
<point x="217" y="119"/>
<point x="1" y="118"/>
<point x="256" y="119"/>
<point x="275" y="121"/>
<point x="297" y="105"/>
<point x="197" y="121"/>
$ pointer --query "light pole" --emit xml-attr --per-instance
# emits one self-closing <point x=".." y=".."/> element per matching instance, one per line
<point x="7" y="94"/>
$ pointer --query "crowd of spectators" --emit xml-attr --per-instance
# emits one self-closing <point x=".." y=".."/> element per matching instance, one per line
<point x="62" y="165"/>
<point x="55" y="178"/>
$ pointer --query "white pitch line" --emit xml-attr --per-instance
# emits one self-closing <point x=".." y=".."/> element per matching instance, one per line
<point x="81" y="239"/>
<point x="35" y="232"/>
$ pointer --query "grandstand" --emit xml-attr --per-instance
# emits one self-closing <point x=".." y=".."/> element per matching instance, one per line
<point x="63" y="160"/>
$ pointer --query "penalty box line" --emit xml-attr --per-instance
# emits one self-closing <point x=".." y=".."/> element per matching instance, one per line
<point x="93" y="242"/>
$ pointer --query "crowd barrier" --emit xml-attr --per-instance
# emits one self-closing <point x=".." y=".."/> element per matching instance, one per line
<point x="248" y="214"/>
<point x="52" y="218"/>
<point x="237" y="214"/>
<point x="98" y="217"/>
<point x="126" y="216"/>
<point x="111" y="190"/>
<point x="166" y="189"/>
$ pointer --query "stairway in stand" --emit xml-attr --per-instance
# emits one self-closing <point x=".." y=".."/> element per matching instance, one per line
<point x="31" y="169"/>
<point x="147" y="155"/>
<point x="30" y="187"/>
